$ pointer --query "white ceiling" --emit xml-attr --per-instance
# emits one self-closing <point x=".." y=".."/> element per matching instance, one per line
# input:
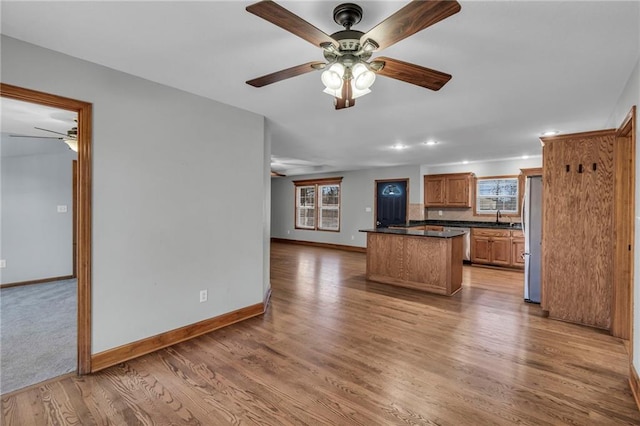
<point x="19" y="119"/>
<point x="519" y="68"/>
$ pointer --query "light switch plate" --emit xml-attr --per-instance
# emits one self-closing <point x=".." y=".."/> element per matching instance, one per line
<point x="62" y="209"/>
<point x="3" y="263"/>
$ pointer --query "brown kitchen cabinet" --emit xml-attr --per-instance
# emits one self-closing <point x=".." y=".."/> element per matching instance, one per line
<point x="495" y="246"/>
<point x="517" y="249"/>
<point x="448" y="190"/>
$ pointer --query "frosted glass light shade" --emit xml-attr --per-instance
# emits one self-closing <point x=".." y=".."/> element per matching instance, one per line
<point x="332" y="78"/>
<point x="356" y="93"/>
<point x="336" y="93"/>
<point x="363" y="78"/>
<point x="72" y="143"/>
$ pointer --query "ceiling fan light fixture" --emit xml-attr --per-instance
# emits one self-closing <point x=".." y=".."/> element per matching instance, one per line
<point x="336" y="93"/>
<point x="363" y="78"/>
<point x="332" y="78"/>
<point x="356" y="93"/>
<point x="72" y="143"/>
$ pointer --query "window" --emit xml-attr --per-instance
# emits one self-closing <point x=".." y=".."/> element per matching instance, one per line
<point x="497" y="193"/>
<point x="318" y="204"/>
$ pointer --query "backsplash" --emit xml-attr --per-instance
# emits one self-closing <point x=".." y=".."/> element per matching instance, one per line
<point x="417" y="211"/>
<point x="463" y="214"/>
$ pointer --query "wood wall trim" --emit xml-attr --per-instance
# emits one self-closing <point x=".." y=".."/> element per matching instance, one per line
<point x="323" y="245"/>
<point x="634" y="382"/>
<point x="534" y="171"/>
<point x="38" y="281"/>
<point x="123" y="353"/>
<point x="83" y="225"/>
<point x="581" y="135"/>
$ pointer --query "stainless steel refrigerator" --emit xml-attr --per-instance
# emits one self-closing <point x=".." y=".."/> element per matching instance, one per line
<point x="532" y="227"/>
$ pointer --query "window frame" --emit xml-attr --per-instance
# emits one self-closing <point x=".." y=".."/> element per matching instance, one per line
<point x="518" y="196"/>
<point x="318" y="184"/>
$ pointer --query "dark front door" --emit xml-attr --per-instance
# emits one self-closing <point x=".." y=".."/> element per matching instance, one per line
<point x="391" y="203"/>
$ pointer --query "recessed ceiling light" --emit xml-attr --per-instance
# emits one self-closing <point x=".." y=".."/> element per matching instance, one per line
<point x="550" y="133"/>
<point x="399" y="146"/>
<point x="465" y="162"/>
<point x="524" y="157"/>
<point x="431" y="142"/>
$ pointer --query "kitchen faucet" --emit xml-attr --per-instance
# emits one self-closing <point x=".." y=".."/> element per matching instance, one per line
<point x="498" y="216"/>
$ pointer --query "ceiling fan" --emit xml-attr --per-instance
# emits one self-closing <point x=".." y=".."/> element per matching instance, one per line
<point x="70" y="138"/>
<point x="347" y="75"/>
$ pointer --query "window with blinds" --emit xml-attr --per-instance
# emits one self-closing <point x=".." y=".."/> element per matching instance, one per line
<point x="497" y="193"/>
<point x="318" y="204"/>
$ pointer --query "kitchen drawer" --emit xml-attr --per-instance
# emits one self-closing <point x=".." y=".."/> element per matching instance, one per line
<point x="486" y="232"/>
<point x="433" y="228"/>
<point x="517" y="234"/>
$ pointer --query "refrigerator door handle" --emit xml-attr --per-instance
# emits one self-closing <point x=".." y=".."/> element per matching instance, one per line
<point x="524" y="204"/>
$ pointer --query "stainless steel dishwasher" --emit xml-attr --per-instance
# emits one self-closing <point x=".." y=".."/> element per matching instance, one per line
<point x="466" y="241"/>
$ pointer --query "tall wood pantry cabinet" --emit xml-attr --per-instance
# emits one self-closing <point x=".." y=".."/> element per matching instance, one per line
<point x="578" y="226"/>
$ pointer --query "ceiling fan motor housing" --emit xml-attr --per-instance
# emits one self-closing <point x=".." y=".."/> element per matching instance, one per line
<point x="347" y="14"/>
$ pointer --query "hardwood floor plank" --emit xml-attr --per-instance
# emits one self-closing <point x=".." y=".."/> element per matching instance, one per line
<point x="336" y="349"/>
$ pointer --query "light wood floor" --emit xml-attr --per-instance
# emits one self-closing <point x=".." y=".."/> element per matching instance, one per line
<point x="334" y="349"/>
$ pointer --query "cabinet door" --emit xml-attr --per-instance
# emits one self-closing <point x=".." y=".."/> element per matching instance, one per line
<point x="434" y="191"/>
<point x="501" y="251"/>
<point x="517" y="250"/>
<point x="457" y="191"/>
<point x="480" y="250"/>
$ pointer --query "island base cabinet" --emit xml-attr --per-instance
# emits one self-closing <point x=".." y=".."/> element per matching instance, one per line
<point x="422" y="263"/>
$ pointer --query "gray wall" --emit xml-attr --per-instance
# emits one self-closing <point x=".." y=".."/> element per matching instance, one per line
<point x="178" y="196"/>
<point x="358" y="194"/>
<point x="35" y="240"/>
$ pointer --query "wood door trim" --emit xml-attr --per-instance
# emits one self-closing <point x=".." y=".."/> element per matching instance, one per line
<point x="624" y="198"/>
<point x="375" y="198"/>
<point x="83" y="226"/>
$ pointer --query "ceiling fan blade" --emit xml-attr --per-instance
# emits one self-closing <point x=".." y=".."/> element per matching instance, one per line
<point x="35" y="137"/>
<point x="51" y="131"/>
<point x="414" y="17"/>
<point x="412" y="73"/>
<point x="278" y="15"/>
<point x="284" y="74"/>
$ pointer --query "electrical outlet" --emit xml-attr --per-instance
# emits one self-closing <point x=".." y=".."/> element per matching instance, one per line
<point x="288" y="231"/>
<point x="3" y="263"/>
<point x="439" y="212"/>
<point x="203" y="296"/>
<point x="353" y="238"/>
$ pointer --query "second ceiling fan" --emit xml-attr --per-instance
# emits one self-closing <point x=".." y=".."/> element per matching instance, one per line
<point x="347" y="73"/>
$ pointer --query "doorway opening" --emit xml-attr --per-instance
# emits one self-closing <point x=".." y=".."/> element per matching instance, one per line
<point x="391" y="202"/>
<point x="82" y="196"/>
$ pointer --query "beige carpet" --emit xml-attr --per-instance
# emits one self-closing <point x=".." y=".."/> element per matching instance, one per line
<point x="38" y="329"/>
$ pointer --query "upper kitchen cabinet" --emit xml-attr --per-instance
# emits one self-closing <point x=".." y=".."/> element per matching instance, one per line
<point x="448" y="190"/>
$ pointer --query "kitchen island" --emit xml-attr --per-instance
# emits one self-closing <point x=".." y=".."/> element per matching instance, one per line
<point x="424" y="260"/>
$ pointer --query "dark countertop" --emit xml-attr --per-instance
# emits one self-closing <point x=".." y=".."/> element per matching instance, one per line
<point x="415" y="233"/>
<point x="462" y="224"/>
